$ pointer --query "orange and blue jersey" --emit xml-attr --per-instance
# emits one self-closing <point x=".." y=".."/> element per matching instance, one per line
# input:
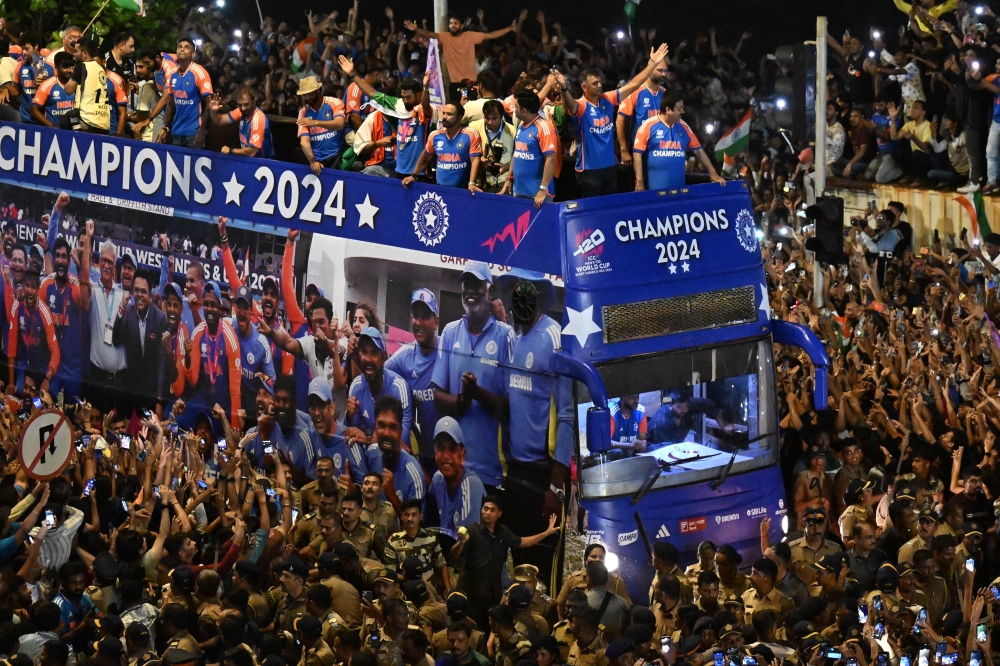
<point x="167" y="67"/>
<point x="188" y="89"/>
<point x="32" y="343"/>
<point x="179" y="355"/>
<point x="116" y="92"/>
<point x="53" y="100"/>
<point x="665" y="148"/>
<point x="215" y="370"/>
<point x="410" y="138"/>
<point x="355" y="100"/>
<point x="72" y="613"/>
<point x="534" y="141"/>
<point x="595" y="130"/>
<point x="993" y="78"/>
<point x="255" y="132"/>
<point x="27" y="72"/>
<point x="66" y="308"/>
<point x="640" y="106"/>
<point x="325" y="143"/>
<point x="541" y="400"/>
<point x="628" y="429"/>
<point x="255" y="356"/>
<point x="454" y="155"/>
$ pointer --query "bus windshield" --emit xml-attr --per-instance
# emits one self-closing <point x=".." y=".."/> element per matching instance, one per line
<point x="687" y="412"/>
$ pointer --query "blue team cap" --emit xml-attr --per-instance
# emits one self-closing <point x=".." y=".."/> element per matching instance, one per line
<point x="263" y="383"/>
<point x="173" y="288"/>
<point x="479" y="270"/>
<point x="214" y="288"/>
<point x="312" y="286"/>
<point x="425" y="296"/>
<point x="243" y="294"/>
<point x="131" y="257"/>
<point x="374" y="335"/>
<point x="449" y="426"/>
<point x="320" y="388"/>
<point x="37" y="250"/>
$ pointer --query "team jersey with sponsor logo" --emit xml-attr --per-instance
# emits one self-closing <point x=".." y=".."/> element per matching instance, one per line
<point x="665" y="148"/>
<point x="255" y="131"/>
<point x="364" y="415"/>
<point x="627" y="429"/>
<point x="53" y="99"/>
<point x="325" y="143"/>
<point x="487" y="356"/>
<point x="410" y="135"/>
<point x="417" y="370"/>
<point x="66" y="307"/>
<point x="188" y="89"/>
<point x="542" y="400"/>
<point x="255" y="357"/>
<point x="454" y="155"/>
<point x="27" y="74"/>
<point x="640" y="106"/>
<point x="116" y="97"/>
<point x="595" y="130"/>
<point x="32" y="344"/>
<point x="355" y="100"/>
<point x="215" y="370"/>
<point x="462" y="508"/>
<point x="533" y="142"/>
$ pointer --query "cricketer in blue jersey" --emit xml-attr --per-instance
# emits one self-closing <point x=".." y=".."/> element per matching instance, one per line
<point x="402" y="476"/>
<point x="457" y="491"/>
<point x="470" y="376"/>
<point x="628" y="421"/>
<point x="414" y="362"/>
<point x="285" y="432"/>
<point x="374" y="382"/>
<point x="542" y="419"/>
<point x="192" y="310"/>
<point x="255" y="350"/>
<point x="323" y="430"/>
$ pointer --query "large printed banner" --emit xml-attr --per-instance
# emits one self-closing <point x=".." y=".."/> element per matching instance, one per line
<point x="253" y="192"/>
<point x="149" y="258"/>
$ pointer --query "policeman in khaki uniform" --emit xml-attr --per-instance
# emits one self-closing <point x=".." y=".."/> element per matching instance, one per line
<point x="763" y="594"/>
<point x="510" y="646"/>
<point x="934" y="587"/>
<point x="174" y="620"/>
<point x="588" y="649"/>
<point x="542" y="604"/>
<point x="431" y="616"/>
<point x="315" y="651"/>
<point x="458" y="611"/>
<point x="858" y="498"/>
<point x="105" y="594"/>
<point x="813" y="546"/>
<point x="927" y="522"/>
<point x="293" y="604"/>
<point x="249" y="576"/>
<point x="308" y="532"/>
<point x="324" y="478"/>
<point x="532" y="625"/>
<point x="345" y="600"/>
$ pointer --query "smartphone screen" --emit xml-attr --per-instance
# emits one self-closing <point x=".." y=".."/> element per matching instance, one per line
<point x="156" y="491"/>
<point x="940" y="649"/>
<point x="862" y="613"/>
<point x="270" y="493"/>
<point x="125" y="505"/>
<point x="126" y="442"/>
<point x="295" y="517"/>
<point x="852" y="662"/>
<point x="981" y="632"/>
<point x="949" y="659"/>
<point x="50" y="518"/>
<point x="879" y="606"/>
<point x="221" y="444"/>
<point x="881" y="660"/>
<point x="37" y="402"/>
<point x="879" y="630"/>
<point x="86" y="440"/>
<point x="268" y="449"/>
<point x="202" y="485"/>
<point x="665" y="643"/>
<point x="976" y="658"/>
<point x="172" y="428"/>
<point x="970" y="564"/>
<point x="923" y="657"/>
<point x="89" y="487"/>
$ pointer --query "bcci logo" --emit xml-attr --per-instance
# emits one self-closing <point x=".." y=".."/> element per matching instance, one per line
<point x="746" y="230"/>
<point x="430" y="219"/>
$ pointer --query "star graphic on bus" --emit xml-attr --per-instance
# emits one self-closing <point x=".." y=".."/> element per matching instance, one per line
<point x="233" y="189"/>
<point x="581" y="324"/>
<point x="367" y="212"/>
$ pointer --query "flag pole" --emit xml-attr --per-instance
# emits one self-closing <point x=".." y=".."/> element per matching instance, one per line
<point x="95" y="16"/>
<point x="261" y="14"/>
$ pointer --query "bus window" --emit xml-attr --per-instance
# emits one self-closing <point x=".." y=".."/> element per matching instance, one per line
<point x="691" y="410"/>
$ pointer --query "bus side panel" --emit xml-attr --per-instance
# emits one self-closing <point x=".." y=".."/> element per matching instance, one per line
<point x="685" y="516"/>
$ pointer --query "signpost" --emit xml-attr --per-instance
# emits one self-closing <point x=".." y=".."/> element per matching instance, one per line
<point x="46" y="445"/>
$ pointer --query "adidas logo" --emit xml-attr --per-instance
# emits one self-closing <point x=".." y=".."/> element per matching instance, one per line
<point x="663" y="533"/>
<point x="414" y="374"/>
<point x="456" y="345"/>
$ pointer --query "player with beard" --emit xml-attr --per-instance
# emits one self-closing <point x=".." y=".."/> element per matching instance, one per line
<point x="326" y="439"/>
<point x="180" y="338"/>
<point x="457" y="150"/>
<point x="61" y="293"/>
<point x="32" y="345"/>
<point x="402" y="477"/>
<point x="280" y="428"/>
<point x="9" y="238"/>
<point x="639" y="106"/>
<point x="255" y="350"/>
<point x="213" y="362"/>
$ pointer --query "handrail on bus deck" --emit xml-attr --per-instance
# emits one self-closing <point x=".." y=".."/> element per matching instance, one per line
<point x="598" y="416"/>
<point x="790" y="333"/>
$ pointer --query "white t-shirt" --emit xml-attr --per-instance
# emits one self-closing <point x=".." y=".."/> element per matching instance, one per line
<point x="316" y="368"/>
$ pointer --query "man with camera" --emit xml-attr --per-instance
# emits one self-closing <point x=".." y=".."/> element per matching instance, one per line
<point x="497" y="138"/>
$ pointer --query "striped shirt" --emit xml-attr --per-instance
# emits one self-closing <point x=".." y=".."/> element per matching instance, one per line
<point x="58" y="543"/>
<point x="424" y="547"/>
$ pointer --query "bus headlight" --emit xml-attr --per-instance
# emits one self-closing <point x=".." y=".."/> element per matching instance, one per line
<point x="611" y="561"/>
<point x="784" y="523"/>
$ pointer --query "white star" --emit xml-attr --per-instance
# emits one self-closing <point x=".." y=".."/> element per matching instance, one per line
<point x="686" y="266"/>
<point x="765" y="305"/>
<point x="233" y="189"/>
<point x="367" y="212"/>
<point x="673" y="269"/>
<point x="430" y="218"/>
<point x="581" y="324"/>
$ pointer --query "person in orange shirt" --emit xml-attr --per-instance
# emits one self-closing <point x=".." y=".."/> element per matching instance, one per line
<point x="32" y="345"/>
<point x="213" y="363"/>
<point x="180" y="338"/>
<point x="458" y="46"/>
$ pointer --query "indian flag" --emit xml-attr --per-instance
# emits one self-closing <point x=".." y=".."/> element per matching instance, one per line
<point x="973" y="205"/>
<point x="300" y="55"/>
<point x="735" y="140"/>
<point x="137" y="6"/>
